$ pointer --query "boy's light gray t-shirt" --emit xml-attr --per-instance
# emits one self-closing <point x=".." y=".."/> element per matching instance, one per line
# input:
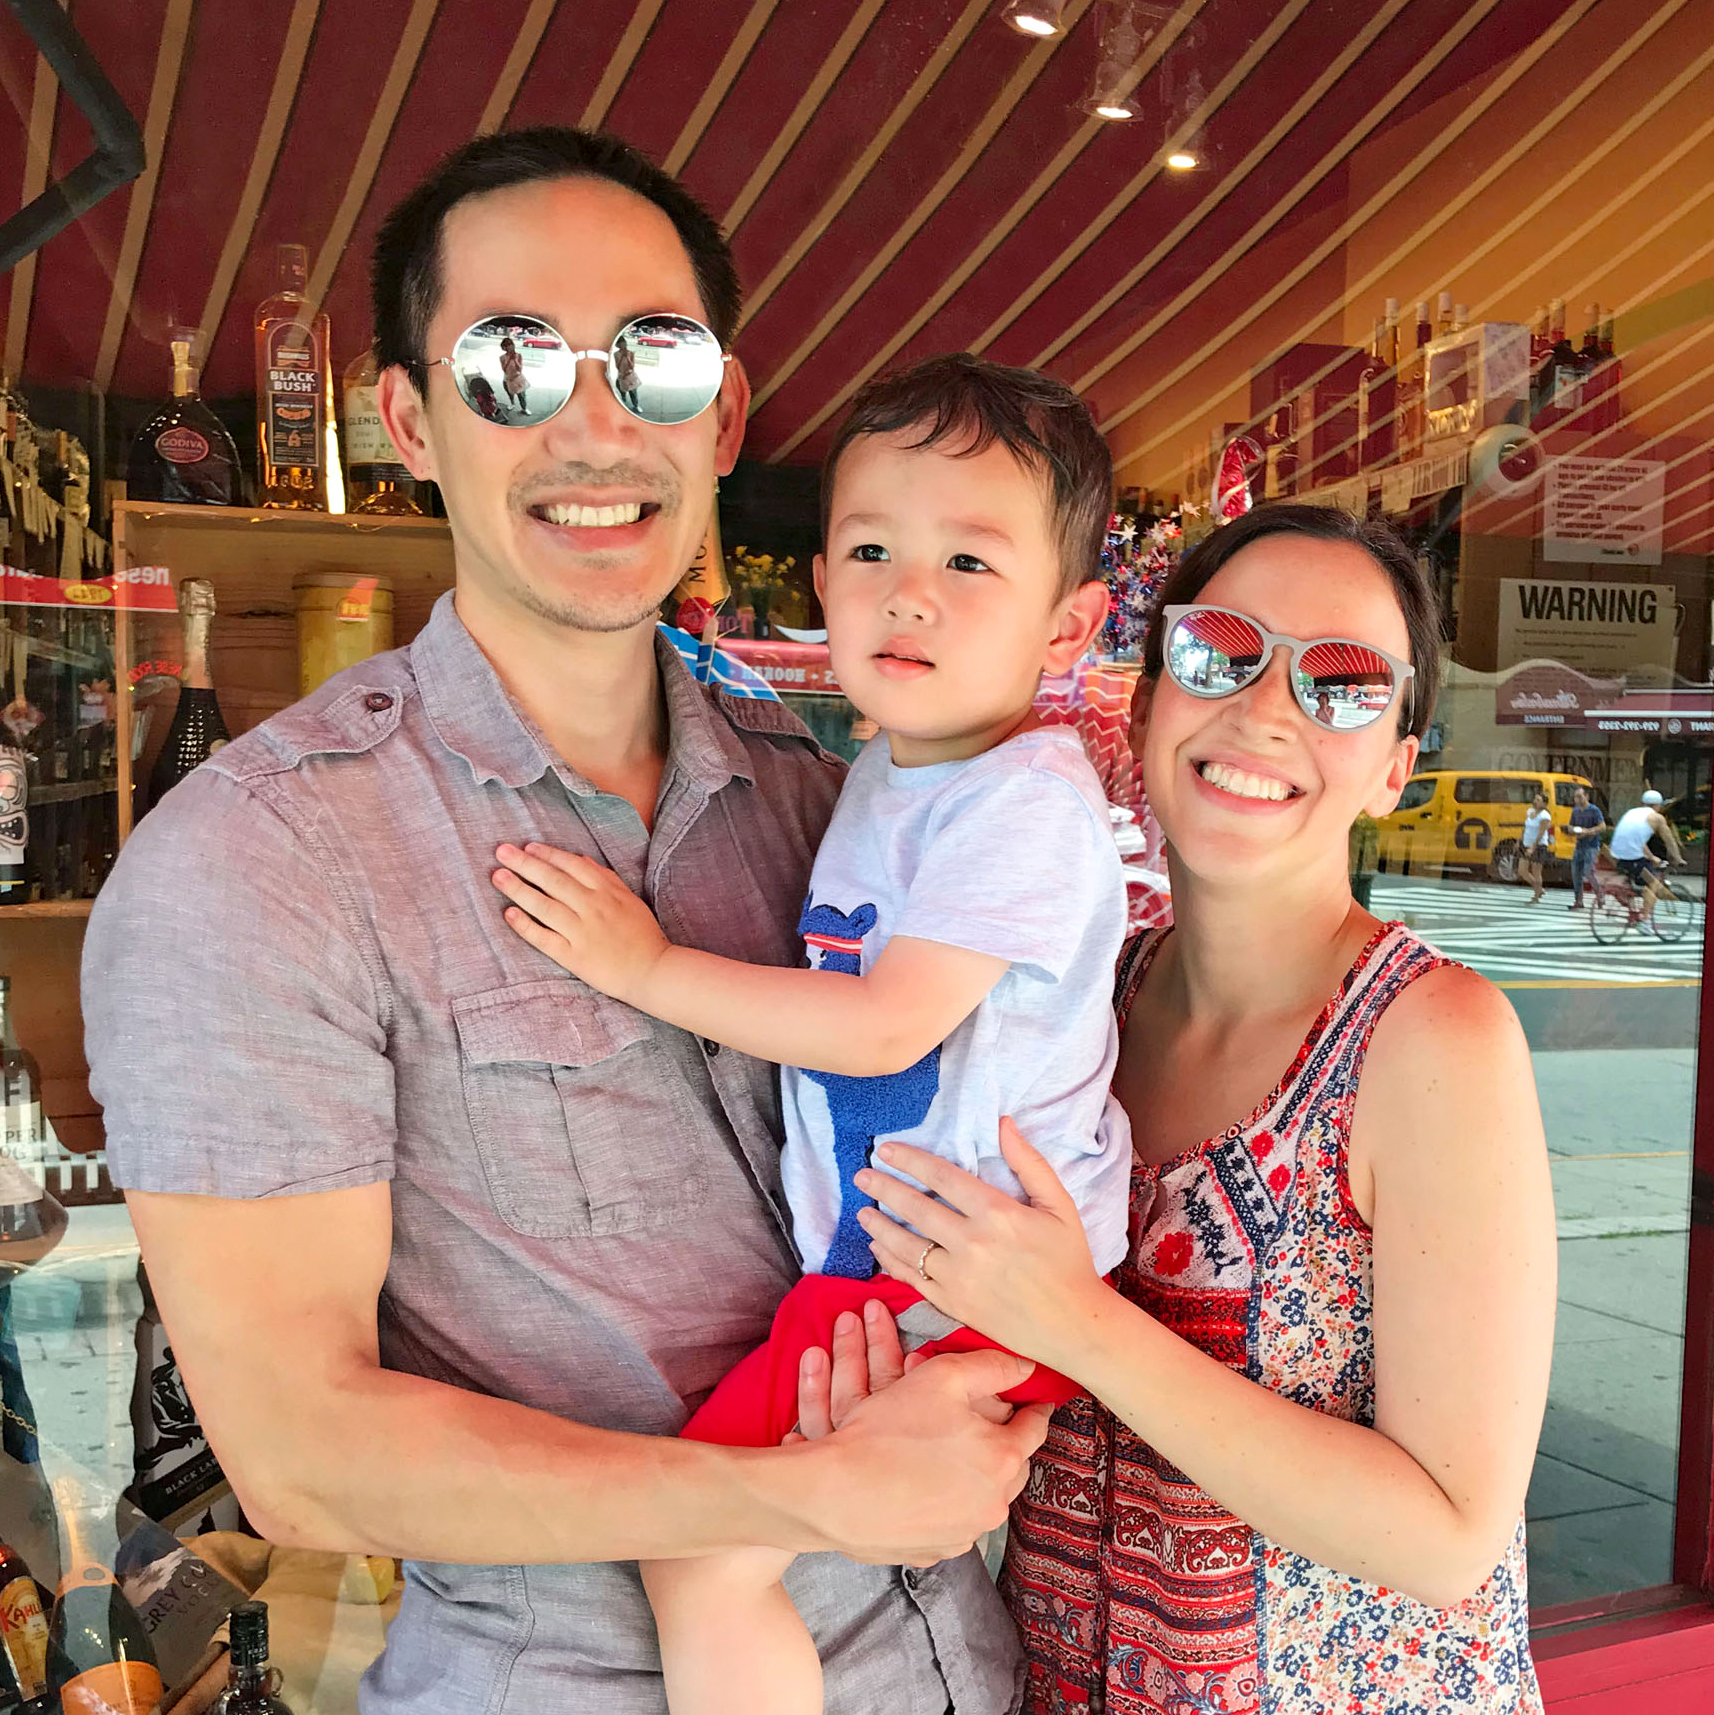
<point x="1011" y="854"/>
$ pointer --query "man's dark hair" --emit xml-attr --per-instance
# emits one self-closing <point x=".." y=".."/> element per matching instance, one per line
<point x="1383" y="545"/>
<point x="405" y="276"/>
<point x="968" y="404"/>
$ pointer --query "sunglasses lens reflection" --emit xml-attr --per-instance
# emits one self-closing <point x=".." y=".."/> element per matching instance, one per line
<point x="1213" y="654"/>
<point x="1343" y="685"/>
<point x="665" y="369"/>
<point x="513" y="370"/>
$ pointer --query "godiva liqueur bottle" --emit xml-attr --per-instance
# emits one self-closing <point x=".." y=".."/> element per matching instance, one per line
<point x="100" y="1660"/>
<point x="294" y="392"/>
<point x="376" y="479"/>
<point x="252" y="1684"/>
<point x="198" y="728"/>
<point x="183" y="453"/>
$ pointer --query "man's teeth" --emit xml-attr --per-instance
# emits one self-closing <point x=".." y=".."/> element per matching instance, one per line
<point x="593" y="517"/>
<point x="1242" y="785"/>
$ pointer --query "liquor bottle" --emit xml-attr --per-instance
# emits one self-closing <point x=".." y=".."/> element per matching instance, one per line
<point x="1377" y="393"/>
<point x="376" y="481"/>
<point x="1590" y="350"/>
<point x="1412" y="389"/>
<point x="183" y="453"/>
<point x="1443" y="317"/>
<point x="14" y="824"/>
<point x="23" y="1138"/>
<point x="1460" y="317"/>
<point x="294" y="391"/>
<point x="24" y="1631"/>
<point x="1611" y="373"/>
<point x="1565" y="369"/>
<point x="198" y="729"/>
<point x="100" y="1660"/>
<point x="252" y="1684"/>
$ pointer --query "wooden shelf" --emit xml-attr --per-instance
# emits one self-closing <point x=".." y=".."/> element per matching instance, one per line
<point x="40" y="908"/>
<point x="300" y="522"/>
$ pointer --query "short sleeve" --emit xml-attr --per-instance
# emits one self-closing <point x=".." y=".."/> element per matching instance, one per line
<point x="234" y="1030"/>
<point x="1018" y="868"/>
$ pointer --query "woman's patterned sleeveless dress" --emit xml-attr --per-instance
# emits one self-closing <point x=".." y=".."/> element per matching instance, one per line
<point x="1133" y="1591"/>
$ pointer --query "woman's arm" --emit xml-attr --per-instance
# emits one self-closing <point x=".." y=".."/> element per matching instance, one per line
<point x="589" y="922"/>
<point x="1449" y="1147"/>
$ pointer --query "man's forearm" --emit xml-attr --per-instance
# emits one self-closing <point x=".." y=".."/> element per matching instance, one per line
<point x="396" y="1464"/>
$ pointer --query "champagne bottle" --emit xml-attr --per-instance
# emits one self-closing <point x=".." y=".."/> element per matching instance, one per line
<point x="24" y="1631"/>
<point x="100" y="1660"/>
<point x="198" y="728"/>
<point x="22" y="1136"/>
<point x="252" y="1685"/>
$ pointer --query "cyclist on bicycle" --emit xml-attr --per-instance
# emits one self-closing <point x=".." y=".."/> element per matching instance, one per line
<point x="1631" y="835"/>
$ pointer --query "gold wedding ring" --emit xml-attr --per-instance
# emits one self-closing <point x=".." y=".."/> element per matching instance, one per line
<point x="921" y="1260"/>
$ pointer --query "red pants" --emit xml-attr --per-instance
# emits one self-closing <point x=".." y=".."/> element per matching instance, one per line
<point x="755" y="1404"/>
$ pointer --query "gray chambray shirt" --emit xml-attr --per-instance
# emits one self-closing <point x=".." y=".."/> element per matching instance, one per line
<point x="587" y="1214"/>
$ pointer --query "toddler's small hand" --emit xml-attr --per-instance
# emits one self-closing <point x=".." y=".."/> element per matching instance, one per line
<point x="582" y="916"/>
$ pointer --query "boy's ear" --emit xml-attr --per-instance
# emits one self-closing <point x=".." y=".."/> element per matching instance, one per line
<point x="1080" y="617"/>
<point x="821" y="579"/>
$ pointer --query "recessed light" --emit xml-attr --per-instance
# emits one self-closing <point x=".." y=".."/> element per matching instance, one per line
<point x="1180" y="161"/>
<point x="1114" y="110"/>
<point x="1036" y="17"/>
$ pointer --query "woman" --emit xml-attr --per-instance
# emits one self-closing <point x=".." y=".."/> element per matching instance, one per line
<point x="1537" y="844"/>
<point x="1319" y="1377"/>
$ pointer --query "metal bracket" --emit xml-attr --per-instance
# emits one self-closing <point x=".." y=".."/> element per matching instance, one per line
<point x="118" y="157"/>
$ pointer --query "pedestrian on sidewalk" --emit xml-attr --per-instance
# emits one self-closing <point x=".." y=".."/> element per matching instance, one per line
<point x="1538" y="844"/>
<point x="1588" y="825"/>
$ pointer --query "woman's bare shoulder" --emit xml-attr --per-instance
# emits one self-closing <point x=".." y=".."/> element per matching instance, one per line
<point x="1449" y="1039"/>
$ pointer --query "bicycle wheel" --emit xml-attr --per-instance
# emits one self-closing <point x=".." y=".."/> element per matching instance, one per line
<point x="1672" y="916"/>
<point x="1609" y="916"/>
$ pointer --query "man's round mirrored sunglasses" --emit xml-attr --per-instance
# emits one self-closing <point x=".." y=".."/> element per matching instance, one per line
<point x="519" y="371"/>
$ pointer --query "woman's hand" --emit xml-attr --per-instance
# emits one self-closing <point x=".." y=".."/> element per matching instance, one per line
<point x="1020" y="1273"/>
<point x="582" y="916"/>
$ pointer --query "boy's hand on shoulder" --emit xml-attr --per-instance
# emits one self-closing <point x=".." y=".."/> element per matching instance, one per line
<point x="582" y="916"/>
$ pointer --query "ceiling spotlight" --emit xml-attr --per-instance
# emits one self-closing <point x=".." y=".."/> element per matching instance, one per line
<point x="1115" y="110"/>
<point x="1181" y="161"/>
<point x="1036" y="17"/>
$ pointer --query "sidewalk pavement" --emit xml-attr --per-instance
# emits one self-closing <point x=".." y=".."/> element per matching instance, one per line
<point x="1600" y="1503"/>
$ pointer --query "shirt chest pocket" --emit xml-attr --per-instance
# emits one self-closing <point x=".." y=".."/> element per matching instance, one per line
<point x="583" y="1124"/>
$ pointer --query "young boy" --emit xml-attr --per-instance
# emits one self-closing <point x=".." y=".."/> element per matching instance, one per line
<point x="966" y="910"/>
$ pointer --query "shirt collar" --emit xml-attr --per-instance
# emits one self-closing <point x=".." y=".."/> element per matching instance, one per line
<point x="476" y="718"/>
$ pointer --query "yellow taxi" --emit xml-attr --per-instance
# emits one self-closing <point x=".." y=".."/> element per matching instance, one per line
<point x="1474" y="819"/>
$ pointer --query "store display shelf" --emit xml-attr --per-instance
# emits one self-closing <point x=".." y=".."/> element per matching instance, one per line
<point x="67" y="791"/>
<point x="42" y="908"/>
<point x="40" y="646"/>
<point x="299" y="523"/>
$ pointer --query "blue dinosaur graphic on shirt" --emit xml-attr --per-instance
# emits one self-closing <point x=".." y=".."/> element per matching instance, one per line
<point x="862" y="1109"/>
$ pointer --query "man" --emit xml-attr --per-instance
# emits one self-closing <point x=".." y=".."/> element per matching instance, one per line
<point x="448" y="1243"/>
<point x="1587" y="827"/>
<point x="1631" y="835"/>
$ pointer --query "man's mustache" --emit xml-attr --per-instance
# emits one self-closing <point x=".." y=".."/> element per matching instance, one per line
<point x="660" y="487"/>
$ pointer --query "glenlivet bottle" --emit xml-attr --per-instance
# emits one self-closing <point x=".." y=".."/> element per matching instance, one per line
<point x="183" y="453"/>
<point x="376" y="480"/>
<point x="100" y="1660"/>
<point x="252" y="1685"/>
<point x="198" y="728"/>
<point x="294" y="391"/>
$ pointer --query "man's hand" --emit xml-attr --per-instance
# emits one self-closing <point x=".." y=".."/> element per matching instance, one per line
<point x="582" y="916"/>
<point x="916" y="1473"/>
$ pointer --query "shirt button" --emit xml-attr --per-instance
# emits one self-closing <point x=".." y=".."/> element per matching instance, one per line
<point x="710" y="1047"/>
<point x="376" y="701"/>
<point x="911" y="1576"/>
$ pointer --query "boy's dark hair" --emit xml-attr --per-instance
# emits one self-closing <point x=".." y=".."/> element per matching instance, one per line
<point x="1383" y="545"/>
<point x="971" y="403"/>
<point x="405" y="275"/>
